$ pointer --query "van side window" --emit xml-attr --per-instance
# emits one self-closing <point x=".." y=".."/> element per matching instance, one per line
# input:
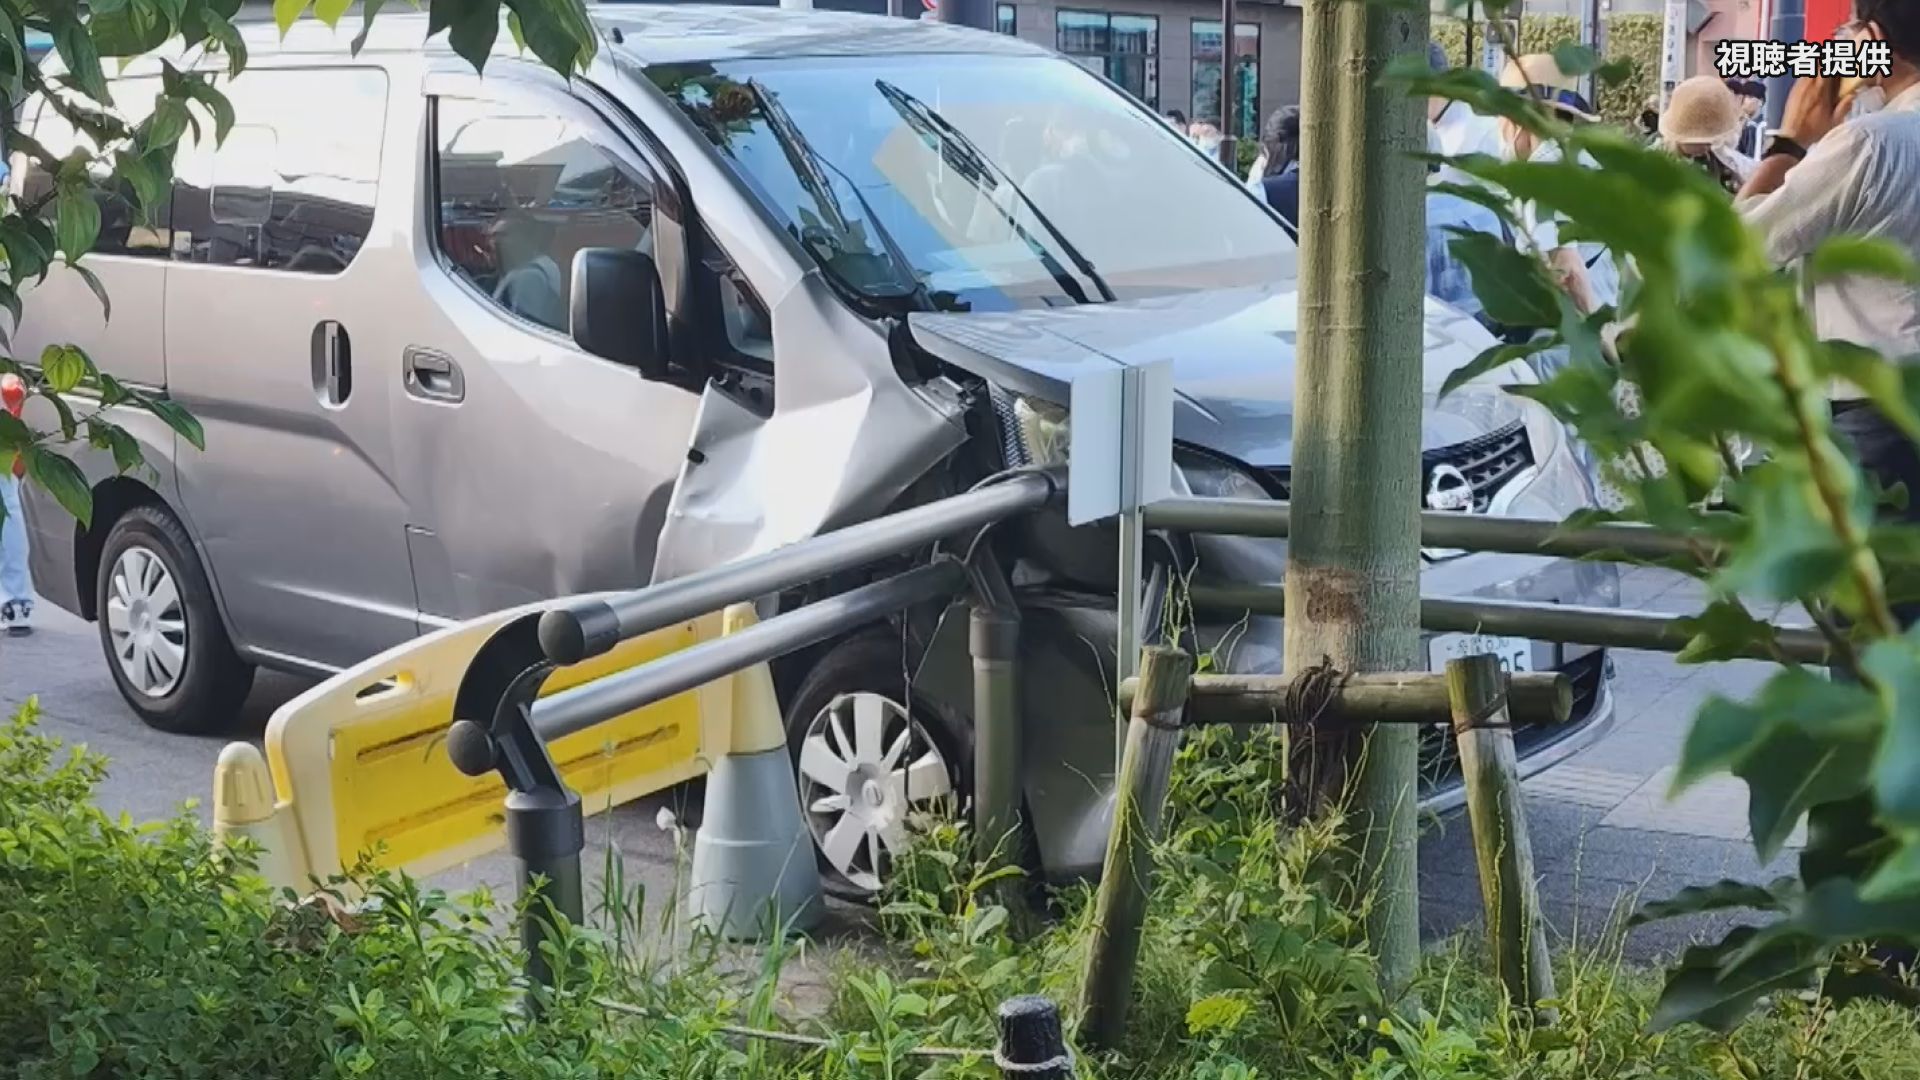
<point x="744" y="318"/>
<point x="124" y="230"/>
<point x="520" y="191"/>
<point x="292" y="188"/>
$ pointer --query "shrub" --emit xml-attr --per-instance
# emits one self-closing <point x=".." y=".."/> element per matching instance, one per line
<point x="151" y="951"/>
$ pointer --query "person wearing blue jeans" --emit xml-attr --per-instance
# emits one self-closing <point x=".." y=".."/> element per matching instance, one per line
<point x="16" y="587"/>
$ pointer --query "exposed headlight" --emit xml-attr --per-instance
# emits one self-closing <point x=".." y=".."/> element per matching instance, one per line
<point x="1211" y="478"/>
<point x="1042" y="430"/>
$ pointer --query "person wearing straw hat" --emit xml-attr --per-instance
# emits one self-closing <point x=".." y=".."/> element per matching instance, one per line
<point x="1585" y="270"/>
<point x="1701" y="123"/>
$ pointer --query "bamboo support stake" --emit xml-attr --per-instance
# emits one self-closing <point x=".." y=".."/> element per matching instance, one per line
<point x="1126" y="879"/>
<point x="1378" y="698"/>
<point x="1516" y="933"/>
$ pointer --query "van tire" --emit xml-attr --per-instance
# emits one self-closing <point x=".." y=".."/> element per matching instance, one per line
<point x="212" y="682"/>
<point x="871" y="663"/>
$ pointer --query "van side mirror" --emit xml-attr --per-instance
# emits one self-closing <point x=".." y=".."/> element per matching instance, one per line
<point x="618" y="310"/>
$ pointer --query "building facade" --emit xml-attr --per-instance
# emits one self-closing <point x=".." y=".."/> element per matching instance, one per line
<point x="1169" y="53"/>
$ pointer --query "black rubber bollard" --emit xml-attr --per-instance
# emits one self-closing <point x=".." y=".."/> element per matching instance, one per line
<point x="1032" y="1046"/>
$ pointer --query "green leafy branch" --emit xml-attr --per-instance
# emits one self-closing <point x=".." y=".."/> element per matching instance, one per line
<point x="1721" y="350"/>
<point x="125" y="164"/>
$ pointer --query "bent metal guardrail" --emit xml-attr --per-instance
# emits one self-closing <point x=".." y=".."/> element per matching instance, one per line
<point x="501" y="724"/>
<point x="1569" y="624"/>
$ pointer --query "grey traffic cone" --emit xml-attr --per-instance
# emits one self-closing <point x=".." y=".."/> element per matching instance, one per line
<point x="754" y="872"/>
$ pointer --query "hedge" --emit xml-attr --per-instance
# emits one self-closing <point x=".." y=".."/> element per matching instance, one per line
<point x="1636" y="38"/>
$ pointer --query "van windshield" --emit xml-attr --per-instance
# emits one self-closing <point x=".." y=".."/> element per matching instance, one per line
<point x="978" y="183"/>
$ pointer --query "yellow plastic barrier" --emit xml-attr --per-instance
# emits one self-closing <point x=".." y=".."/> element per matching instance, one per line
<point x="359" y="762"/>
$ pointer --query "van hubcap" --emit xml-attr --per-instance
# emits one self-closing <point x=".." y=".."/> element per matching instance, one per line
<point x="865" y="764"/>
<point x="146" y="622"/>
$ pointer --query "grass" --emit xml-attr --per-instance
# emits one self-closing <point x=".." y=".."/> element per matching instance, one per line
<point x="130" y="950"/>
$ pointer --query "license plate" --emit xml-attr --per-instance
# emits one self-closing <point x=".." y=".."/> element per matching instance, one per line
<point x="1515" y="654"/>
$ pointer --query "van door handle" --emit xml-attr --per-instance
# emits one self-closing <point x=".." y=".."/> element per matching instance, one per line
<point x="332" y="363"/>
<point x="433" y="376"/>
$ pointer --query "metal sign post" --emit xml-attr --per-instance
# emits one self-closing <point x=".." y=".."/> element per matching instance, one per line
<point x="1673" y="52"/>
<point x="1493" y="54"/>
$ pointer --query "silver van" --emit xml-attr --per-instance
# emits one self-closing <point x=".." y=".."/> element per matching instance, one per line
<point x="461" y="343"/>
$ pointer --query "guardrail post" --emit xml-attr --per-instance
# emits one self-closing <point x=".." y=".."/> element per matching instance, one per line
<point x="1032" y="1045"/>
<point x="1126" y="878"/>
<point x="546" y="830"/>
<point x="1516" y="932"/>
<point x="993" y="637"/>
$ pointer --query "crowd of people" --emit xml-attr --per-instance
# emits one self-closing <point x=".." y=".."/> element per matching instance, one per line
<point x="1845" y="161"/>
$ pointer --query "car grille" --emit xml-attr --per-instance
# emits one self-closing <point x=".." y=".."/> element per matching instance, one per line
<point x="1440" y="759"/>
<point x="1489" y="463"/>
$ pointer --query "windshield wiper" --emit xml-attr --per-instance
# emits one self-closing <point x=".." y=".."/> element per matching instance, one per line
<point x="978" y="167"/>
<point x="807" y="167"/>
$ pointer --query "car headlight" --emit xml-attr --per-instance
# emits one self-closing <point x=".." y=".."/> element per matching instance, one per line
<point x="1212" y="478"/>
<point x="1042" y="430"/>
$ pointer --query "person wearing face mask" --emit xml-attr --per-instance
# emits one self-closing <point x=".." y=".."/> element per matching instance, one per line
<point x="1846" y="162"/>
<point x="1701" y="124"/>
<point x="1453" y="128"/>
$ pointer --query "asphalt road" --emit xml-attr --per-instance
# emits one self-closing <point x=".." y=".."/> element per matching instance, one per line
<point x="1603" y="831"/>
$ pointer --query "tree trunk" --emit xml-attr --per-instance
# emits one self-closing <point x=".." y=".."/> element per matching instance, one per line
<point x="1352" y="587"/>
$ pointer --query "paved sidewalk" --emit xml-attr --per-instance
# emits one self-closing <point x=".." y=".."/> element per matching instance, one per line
<point x="1605" y="831"/>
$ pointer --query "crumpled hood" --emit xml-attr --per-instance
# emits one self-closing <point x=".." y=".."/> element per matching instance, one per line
<point x="1232" y="352"/>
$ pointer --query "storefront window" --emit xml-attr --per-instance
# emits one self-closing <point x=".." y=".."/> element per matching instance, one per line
<point x="1124" y="48"/>
<point x="1246" y="70"/>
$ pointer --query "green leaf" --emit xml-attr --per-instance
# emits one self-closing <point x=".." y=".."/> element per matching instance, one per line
<point x="1727" y="733"/>
<point x="1789" y="549"/>
<point x="475" y="26"/>
<point x="330" y="11"/>
<point x="1495" y="358"/>
<point x="64" y="367"/>
<point x="134" y="30"/>
<point x="1574" y="59"/>
<point x="1898" y="878"/>
<point x="167" y="124"/>
<point x="1843" y="256"/>
<point x="1719" y="896"/>
<point x="1706" y="989"/>
<point x="63" y="480"/>
<point x="1726" y="630"/>
<point x="33" y="247"/>
<point x="1615" y="72"/>
<point x="180" y="420"/>
<point x="1512" y="286"/>
<point x="1893" y="388"/>
<point x="287" y="12"/>
<point x="1893" y="665"/>
<point x="223" y="32"/>
<point x="74" y="43"/>
<point x="15" y="435"/>
<point x="87" y="275"/>
<point x="125" y="448"/>
<point x="1804" y="740"/>
<point x="558" y="31"/>
<point x="371" y="8"/>
<point x="79" y="221"/>
<point x="151" y="184"/>
<point x="69" y="424"/>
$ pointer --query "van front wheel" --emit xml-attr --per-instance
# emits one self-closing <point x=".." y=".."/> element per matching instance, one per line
<point x="868" y="754"/>
<point x="165" y="643"/>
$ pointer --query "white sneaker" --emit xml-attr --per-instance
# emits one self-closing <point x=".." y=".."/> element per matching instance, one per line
<point x="16" y="617"/>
